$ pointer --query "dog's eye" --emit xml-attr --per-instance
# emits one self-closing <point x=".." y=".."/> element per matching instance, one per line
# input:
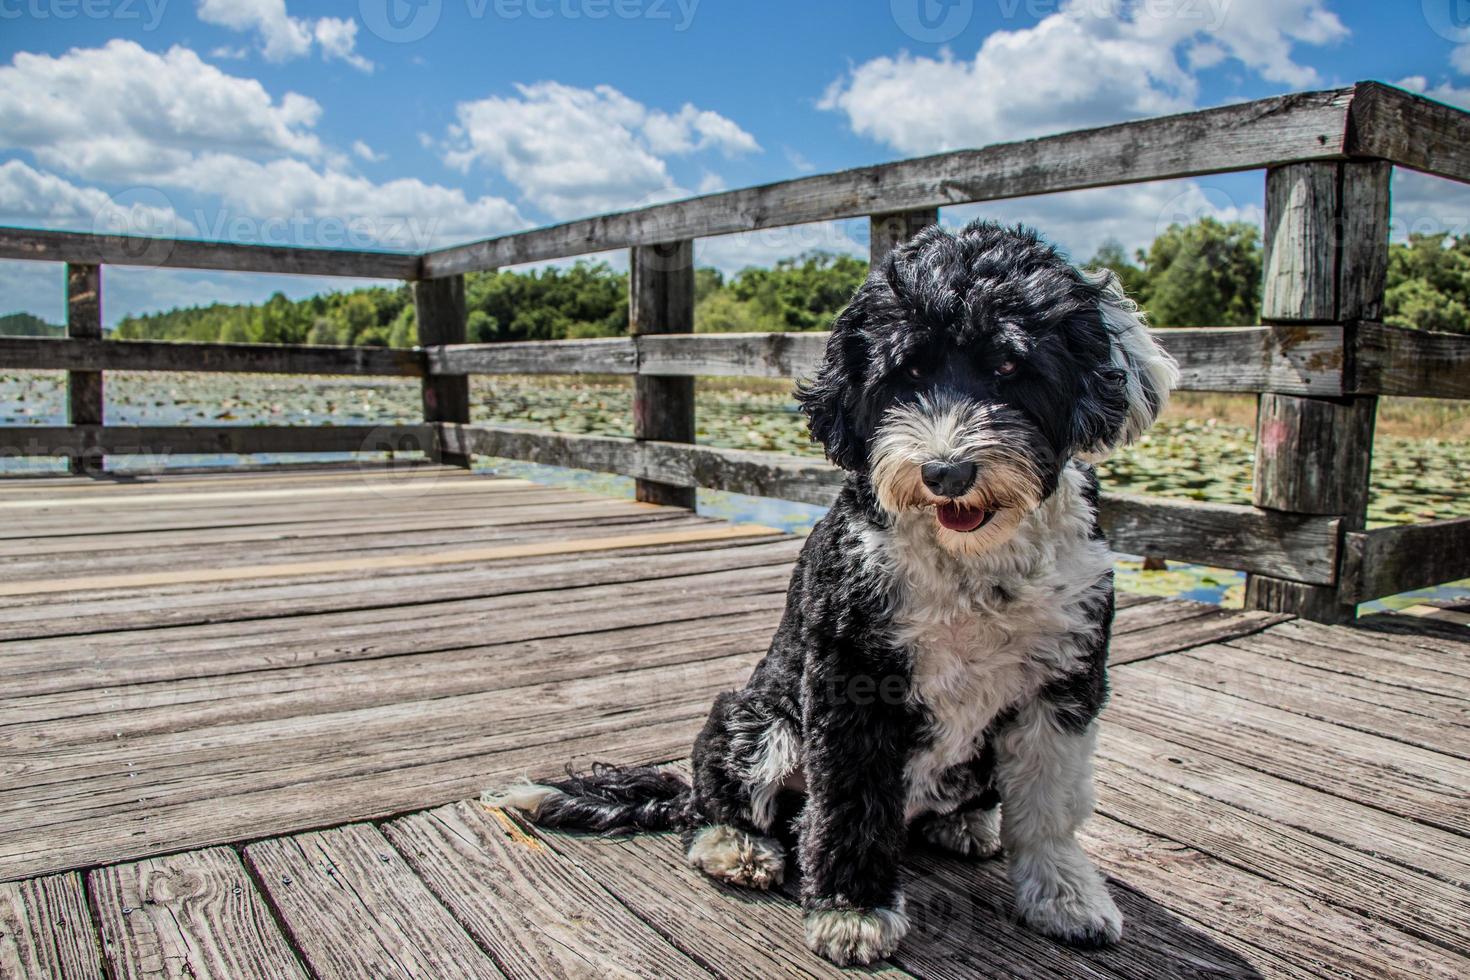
<point x="1006" y="368"/>
<point x="914" y="372"/>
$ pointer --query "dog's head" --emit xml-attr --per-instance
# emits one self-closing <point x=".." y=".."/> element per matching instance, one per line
<point x="969" y="368"/>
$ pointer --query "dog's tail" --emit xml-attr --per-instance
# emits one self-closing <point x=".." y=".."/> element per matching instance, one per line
<point x="608" y="798"/>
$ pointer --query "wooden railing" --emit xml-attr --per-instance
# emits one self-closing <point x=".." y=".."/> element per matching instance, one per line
<point x="1319" y="360"/>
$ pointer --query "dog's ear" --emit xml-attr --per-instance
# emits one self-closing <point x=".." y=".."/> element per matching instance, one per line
<point x="1124" y="398"/>
<point x="829" y="401"/>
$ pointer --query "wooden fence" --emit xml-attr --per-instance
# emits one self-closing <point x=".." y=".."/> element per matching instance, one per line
<point x="1318" y="361"/>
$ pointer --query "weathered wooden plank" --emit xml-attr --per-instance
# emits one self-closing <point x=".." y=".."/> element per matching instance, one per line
<point x="1301" y="243"/>
<point x="76" y="354"/>
<point x="1402" y="779"/>
<point x="183" y="253"/>
<point x="758" y="355"/>
<point x="603" y="355"/>
<point x="1388" y="560"/>
<point x="1303" y="547"/>
<point x="1326" y="258"/>
<point x="47" y="723"/>
<point x="1357" y="656"/>
<point x="1307" y="126"/>
<point x="1349" y="822"/>
<point x="356" y="909"/>
<point x="745" y="939"/>
<point x="45" y="627"/>
<point x="888" y="231"/>
<point x="196" y="576"/>
<point x="439" y="310"/>
<point x="1398" y="361"/>
<point x="1279" y="930"/>
<point x="195" y="914"/>
<point x="1211" y="625"/>
<point x="1312" y="455"/>
<point x="646" y="736"/>
<point x="1302" y="359"/>
<point x="739" y="471"/>
<point x="46" y="930"/>
<point x="1409" y="129"/>
<point x="155" y="440"/>
<point x="84" y="398"/>
<point x="1265" y="680"/>
<point x="156" y="496"/>
<point x="538" y="913"/>
<point x="661" y="301"/>
<point x="1411" y="902"/>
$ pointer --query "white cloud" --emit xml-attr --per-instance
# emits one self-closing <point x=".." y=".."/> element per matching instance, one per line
<point x="367" y="152"/>
<point x="1088" y="64"/>
<point x="1460" y="59"/>
<point x="575" y="151"/>
<point x="764" y="248"/>
<point x="338" y="39"/>
<point x="283" y="37"/>
<point x="33" y="198"/>
<point x="291" y="202"/>
<point x="1444" y="91"/>
<point x="120" y="113"/>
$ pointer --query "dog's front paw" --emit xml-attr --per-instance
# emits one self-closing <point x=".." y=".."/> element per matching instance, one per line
<point x="855" y="937"/>
<point x="1080" y="914"/>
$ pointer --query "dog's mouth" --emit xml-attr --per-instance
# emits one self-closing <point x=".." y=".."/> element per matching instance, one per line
<point x="958" y="517"/>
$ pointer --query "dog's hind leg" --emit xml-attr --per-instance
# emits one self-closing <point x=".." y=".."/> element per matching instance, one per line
<point x="740" y="761"/>
<point x="972" y="831"/>
<point x="1044" y="773"/>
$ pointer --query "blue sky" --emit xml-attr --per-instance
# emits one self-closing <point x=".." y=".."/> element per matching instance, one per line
<point x="414" y="123"/>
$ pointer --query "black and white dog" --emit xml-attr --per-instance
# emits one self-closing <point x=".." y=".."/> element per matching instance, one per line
<point x="942" y="657"/>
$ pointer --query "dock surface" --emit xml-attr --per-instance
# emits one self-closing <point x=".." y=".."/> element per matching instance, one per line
<point x="245" y="717"/>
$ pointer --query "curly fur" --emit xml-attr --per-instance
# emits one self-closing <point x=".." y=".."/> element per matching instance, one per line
<point x="929" y="667"/>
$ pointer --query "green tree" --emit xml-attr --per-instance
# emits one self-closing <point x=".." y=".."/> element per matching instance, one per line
<point x="405" y="329"/>
<point x="1111" y="255"/>
<point x="1204" y="274"/>
<point x="1428" y="284"/>
<point x="324" y="332"/>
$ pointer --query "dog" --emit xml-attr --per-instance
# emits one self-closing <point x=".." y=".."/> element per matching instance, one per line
<point x="941" y="661"/>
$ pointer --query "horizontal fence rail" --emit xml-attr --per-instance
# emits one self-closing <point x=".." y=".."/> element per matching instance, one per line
<point x="1319" y="361"/>
<point x="1298" y="360"/>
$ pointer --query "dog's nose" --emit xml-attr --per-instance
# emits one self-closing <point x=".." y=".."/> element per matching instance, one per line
<point x="948" y="479"/>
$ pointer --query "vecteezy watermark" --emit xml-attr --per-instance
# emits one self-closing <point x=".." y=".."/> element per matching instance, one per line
<point x="146" y="220"/>
<point x="932" y="21"/>
<point x="1208" y="14"/>
<point x="1450" y="19"/>
<point x="301" y="230"/>
<point x="405" y="21"/>
<point x="150" y="12"/>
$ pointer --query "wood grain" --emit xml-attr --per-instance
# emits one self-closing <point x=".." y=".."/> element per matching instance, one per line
<point x="84" y="398"/>
<point x="183" y="253"/>
<point x="78" y="354"/>
<point x="355" y="909"/>
<point x="46" y="930"/>
<point x="538" y="913"/>
<point x="159" y="440"/>
<point x="193" y="915"/>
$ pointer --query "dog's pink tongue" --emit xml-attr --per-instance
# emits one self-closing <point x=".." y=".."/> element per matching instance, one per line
<point x="958" y="518"/>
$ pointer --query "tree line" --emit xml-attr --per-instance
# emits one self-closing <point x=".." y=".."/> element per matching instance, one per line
<point x="1207" y="273"/>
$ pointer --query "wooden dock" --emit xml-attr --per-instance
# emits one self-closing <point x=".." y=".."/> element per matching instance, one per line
<point x="245" y="717"/>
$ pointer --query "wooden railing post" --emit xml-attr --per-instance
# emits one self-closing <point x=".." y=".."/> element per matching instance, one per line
<point x="1326" y="260"/>
<point x="894" y="228"/>
<point x="84" y="403"/>
<point x="439" y="308"/>
<point x="661" y="300"/>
